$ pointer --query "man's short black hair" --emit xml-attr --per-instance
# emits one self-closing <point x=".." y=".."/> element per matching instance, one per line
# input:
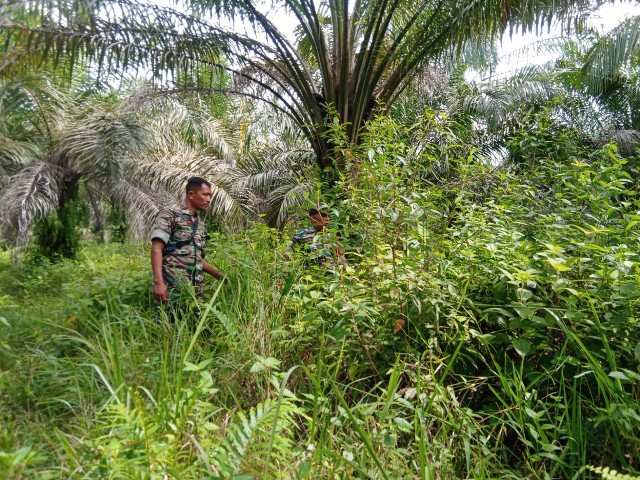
<point x="322" y="208"/>
<point x="195" y="183"/>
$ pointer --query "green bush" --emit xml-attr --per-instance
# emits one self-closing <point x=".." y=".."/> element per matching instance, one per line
<point x="486" y="327"/>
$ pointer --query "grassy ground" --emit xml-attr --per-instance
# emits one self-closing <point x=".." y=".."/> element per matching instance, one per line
<point x="496" y="339"/>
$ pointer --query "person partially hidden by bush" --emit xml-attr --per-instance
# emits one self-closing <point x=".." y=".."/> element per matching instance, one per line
<point x="178" y="241"/>
<point x="316" y="242"/>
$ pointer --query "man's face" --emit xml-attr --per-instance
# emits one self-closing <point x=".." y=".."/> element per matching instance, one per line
<point x="319" y="220"/>
<point x="201" y="197"/>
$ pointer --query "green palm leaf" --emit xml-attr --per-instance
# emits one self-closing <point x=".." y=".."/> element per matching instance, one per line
<point x="611" y="54"/>
<point x="245" y="445"/>
<point x="358" y="58"/>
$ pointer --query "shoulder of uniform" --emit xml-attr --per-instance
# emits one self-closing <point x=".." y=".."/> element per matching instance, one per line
<point x="170" y="210"/>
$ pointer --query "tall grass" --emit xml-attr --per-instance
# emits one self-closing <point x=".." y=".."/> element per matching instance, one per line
<point x="473" y="343"/>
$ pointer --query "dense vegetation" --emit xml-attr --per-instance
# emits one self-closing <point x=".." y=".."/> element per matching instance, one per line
<point x="486" y="327"/>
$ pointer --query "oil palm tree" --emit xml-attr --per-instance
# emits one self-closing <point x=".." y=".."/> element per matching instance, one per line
<point x="600" y="74"/>
<point x="63" y="148"/>
<point x="590" y="84"/>
<point x="275" y="174"/>
<point x="61" y="140"/>
<point x="356" y="57"/>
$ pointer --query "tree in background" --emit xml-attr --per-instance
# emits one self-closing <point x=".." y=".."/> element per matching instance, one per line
<point x="357" y="58"/>
<point x="589" y="85"/>
<point x="68" y="153"/>
<point x="57" y="141"/>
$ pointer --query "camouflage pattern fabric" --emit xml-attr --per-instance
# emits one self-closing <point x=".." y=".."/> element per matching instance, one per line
<point x="318" y="246"/>
<point x="181" y="263"/>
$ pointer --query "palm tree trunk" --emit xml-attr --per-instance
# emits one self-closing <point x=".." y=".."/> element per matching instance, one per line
<point x="56" y="235"/>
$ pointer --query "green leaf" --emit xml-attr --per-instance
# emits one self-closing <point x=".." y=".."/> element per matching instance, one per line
<point x="257" y="367"/>
<point x="558" y="264"/>
<point x="524" y="294"/>
<point x="619" y="375"/>
<point x="533" y="414"/>
<point x="522" y="346"/>
<point x="190" y="367"/>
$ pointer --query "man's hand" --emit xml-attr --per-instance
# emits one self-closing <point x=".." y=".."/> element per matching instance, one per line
<point x="160" y="292"/>
<point x="214" y="272"/>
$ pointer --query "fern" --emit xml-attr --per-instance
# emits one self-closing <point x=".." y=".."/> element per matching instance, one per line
<point x="247" y="442"/>
<point x="610" y="474"/>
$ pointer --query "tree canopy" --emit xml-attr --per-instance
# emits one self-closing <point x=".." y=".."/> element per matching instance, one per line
<point x="355" y="58"/>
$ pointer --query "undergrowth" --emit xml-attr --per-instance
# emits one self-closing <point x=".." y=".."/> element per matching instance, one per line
<point x="486" y="327"/>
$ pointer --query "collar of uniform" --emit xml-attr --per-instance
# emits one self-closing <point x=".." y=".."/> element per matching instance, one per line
<point x="184" y="209"/>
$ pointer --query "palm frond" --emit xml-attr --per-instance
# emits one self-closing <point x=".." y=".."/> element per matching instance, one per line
<point x="28" y="107"/>
<point x="245" y="445"/>
<point x="626" y="140"/>
<point x="520" y="61"/>
<point x="30" y="194"/>
<point x="270" y="177"/>
<point x="169" y="171"/>
<point x="611" y="53"/>
<point x="114" y="34"/>
<point x="358" y="56"/>
<point x="98" y="146"/>
<point x="178" y="117"/>
<point x="285" y="202"/>
<point x="141" y="205"/>
<point x="16" y="154"/>
<point x="496" y="102"/>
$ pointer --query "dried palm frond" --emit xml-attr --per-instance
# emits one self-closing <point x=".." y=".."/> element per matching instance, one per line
<point x="141" y="204"/>
<point x="277" y="177"/>
<point x="626" y="140"/>
<point x="179" y="117"/>
<point x="98" y="146"/>
<point x="15" y="154"/>
<point x="169" y="171"/>
<point x="30" y="194"/>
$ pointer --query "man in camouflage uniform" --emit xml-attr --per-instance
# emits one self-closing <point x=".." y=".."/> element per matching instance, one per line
<point x="178" y="245"/>
<point x="316" y="242"/>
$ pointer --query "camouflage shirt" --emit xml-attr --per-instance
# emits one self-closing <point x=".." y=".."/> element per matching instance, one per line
<point x="318" y="246"/>
<point x="182" y="255"/>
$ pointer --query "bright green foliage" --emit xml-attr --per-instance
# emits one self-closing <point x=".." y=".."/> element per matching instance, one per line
<point x="609" y="474"/>
<point x="536" y="274"/>
<point x="486" y="327"/>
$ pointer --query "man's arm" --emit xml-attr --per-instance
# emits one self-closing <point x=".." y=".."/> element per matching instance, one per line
<point x="213" y="271"/>
<point x="159" y="287"/>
